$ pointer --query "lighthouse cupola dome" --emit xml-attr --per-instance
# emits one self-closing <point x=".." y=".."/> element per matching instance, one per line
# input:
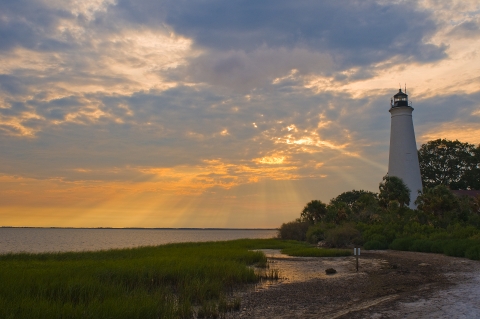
<point x="400" y="99"/>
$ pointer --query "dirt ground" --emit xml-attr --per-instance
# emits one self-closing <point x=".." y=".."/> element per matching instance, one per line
<point x="389" y="284"/>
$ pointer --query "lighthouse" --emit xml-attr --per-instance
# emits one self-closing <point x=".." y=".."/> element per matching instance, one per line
<point x="403" y="157"/>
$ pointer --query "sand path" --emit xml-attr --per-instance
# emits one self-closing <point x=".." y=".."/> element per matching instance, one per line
<point x="459" y="301"/>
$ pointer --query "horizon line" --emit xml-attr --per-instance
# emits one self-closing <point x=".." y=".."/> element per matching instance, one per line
<point x="141" y="228"/>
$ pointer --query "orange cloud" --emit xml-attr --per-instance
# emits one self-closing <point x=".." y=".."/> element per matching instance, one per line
<point x="469" y="133"/>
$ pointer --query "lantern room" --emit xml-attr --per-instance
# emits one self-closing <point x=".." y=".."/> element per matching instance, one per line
<point x="399" y="99"/>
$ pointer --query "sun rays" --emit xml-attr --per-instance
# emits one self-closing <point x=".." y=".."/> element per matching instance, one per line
<point x="149" y="114"/>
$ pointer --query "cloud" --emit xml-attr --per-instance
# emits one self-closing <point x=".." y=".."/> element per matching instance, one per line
<point x="467" y="29"/>
<point x="274" y="103"/>
<point x="360" y="32"/>
<point x="243" y="72"/>
<point x="246" y="46"/>
<point x="185" y="127"/>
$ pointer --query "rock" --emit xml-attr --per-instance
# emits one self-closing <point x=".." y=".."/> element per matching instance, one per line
<point x="330" y="271"/>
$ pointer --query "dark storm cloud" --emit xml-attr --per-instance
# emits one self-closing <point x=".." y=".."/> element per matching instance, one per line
<point x="361" y="32"/>
<point x="357" y="32"/>
<point x="248" y="44"/>
<point x="30" y="24"/>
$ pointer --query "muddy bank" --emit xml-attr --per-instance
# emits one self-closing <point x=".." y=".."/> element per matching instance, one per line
<point x="389" y="284"/>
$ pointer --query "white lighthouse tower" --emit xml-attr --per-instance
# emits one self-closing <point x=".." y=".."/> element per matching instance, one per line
<point x="403" y="159"/>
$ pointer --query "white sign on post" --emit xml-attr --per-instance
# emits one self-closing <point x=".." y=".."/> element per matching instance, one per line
<point x="356" y="253"/>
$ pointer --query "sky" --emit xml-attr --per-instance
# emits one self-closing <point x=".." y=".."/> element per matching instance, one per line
<point x="214" y="113"/>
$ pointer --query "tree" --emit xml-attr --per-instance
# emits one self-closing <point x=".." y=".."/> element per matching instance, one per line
<point x="437" y="201"/>
<point x="393" y="189"/>
<point x="337" y="213"/>
<point x="367" y="208"/>
<point x="472" y="178"/>
<point x="450" y="163"/>
<point x="350" y="197"/>
<point x="295" y="230"/>
<point x="313" y="212"/>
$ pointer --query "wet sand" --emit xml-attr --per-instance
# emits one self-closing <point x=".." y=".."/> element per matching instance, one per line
<point x="389" y="284"/>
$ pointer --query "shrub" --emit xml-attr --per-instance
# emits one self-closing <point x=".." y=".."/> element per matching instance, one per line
<point x="440" y="235"/>
<point x="437" y="246"/>
<point x="316" y="233"/>
<point x="296" y="230"/>
<point x="377" y="237"/>
<point x="342" y="236"/>
<point x="375" y="245"/>
<point x="401" y="244"/>
<point x="421" y="245"/>
<point x="473" y="252"/>
<point x="460" y="231"/>
<point x="474" y="219"/>
<point x="456" y="248"/>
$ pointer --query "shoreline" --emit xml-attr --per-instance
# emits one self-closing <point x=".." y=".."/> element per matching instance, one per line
<point x="389" y="284"/>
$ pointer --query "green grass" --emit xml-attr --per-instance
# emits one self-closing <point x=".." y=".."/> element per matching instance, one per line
<point x="166" y="281"/>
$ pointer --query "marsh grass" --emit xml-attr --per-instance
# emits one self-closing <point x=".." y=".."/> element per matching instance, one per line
<point x="168" y="281"/>
<point x="270" y="274"/>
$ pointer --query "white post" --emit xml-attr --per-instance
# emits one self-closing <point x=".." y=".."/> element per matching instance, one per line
<point x="356" y="254"/>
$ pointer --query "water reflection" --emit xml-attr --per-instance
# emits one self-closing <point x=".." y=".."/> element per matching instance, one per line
<point x="300" y="269"/>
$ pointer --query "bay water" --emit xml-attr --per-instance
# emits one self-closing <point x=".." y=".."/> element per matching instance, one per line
<point x="38" y="240"/>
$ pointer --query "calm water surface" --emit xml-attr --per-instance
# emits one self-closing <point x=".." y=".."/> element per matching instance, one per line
<point x="38" y="240"/>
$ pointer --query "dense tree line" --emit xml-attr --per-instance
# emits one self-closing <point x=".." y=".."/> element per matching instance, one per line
<point x="442" y="222"/>
<point x="450" y="163"/>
